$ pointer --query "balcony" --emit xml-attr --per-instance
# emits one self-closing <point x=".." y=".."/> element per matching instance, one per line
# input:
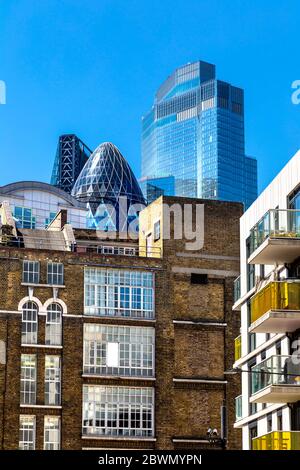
<point x="238" y="408"/>
<point x="276" y="308"/>
<point x="276" y="380"/>
<point x="277" y="440"/>
<point x="237" y="348"/>
<point x="275" y="238"/>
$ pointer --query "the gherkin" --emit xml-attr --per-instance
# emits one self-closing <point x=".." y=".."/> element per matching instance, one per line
<point x="110" y="189"/>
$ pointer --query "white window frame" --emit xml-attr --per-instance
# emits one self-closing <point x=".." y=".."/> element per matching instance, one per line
<point x="105" y="408"/>
<point x="53" y="333"/>
<point x="31" y="272"/>
<point x="25" y="430"/>
<point x="121" y="293"/>
<point x="52" y="434"/>
<point x="29" y="326"/>
<point x="28" y="379"/>
<point x="52" y="380"/>
<point x="136" y="350"/>
<point x="55" y="274"/>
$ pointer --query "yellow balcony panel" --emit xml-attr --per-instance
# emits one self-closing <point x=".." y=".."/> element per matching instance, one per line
<point x="238" y="348"/>
<point x="279" y="321"/>
<point x="276" y="308"/>
<point x="279" y="250"/>
<point x="277" y="440"/>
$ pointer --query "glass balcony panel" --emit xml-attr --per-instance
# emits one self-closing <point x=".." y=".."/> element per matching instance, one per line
<point x="277" y="440"/>
<point x="237" y="289"/>
<point x="283" y="295"/>
<point x="276" y="370"/>
<point x="238" y="407"/>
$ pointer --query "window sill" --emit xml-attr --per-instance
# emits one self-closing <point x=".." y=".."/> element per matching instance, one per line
<point x="123" y="377"/>
<point x="117" y="438"/>
<point x="48" y="346"/>
<point x="36" y="284"/>
<point x="54" y="407"/>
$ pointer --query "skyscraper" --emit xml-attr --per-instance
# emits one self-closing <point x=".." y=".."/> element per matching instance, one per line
<point x="71" y="156"/>
<point x="195" y="133"/>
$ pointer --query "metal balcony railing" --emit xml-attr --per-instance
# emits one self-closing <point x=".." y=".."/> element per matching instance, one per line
<point x="276" y="370"/>
<point x="238" y="348"/>
<point x="277" y="295"/>
<point x="277" y="440"/>
<point x="277" y="223"/>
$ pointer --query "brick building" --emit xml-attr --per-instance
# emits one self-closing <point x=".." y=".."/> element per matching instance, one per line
<point x="108" y="344"/>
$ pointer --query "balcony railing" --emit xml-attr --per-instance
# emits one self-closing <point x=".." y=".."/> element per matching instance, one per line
<point x="238" y="407"/>
<point x="281" y="295"/>
<point x="276" y="370"/>
<point x="277" y="440"/>
<point x="238" y="348"/>
<point x="277" y="223"/>
<point x="237" y="289"/>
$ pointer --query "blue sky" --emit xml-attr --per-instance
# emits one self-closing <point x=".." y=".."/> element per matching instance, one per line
<point x="92" y="67"/>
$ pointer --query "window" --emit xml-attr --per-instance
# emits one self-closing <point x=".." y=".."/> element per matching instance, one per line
<point x="29" y="323"/>
<point x="24" y="217"/>
<point x="52" y="380"/>
<point x="55" y="274"/>
<point x="252" y="432"/>
<point x="51" y="433"/>
<point x="118" y="350"/>
<point x="27" y="432"/>
<point x="269" y="422"/>
<point x="49" y="219"/>
<point x="28" y="379"/>
<point x="118" y="411"/>
<point x="54" y="325"/>
<point x="279" y="420"/>
<point x="112" y="292"/>
<point x="199" y="278"/>
<point x="156" y="231"/>
<point x="31" y="272"/>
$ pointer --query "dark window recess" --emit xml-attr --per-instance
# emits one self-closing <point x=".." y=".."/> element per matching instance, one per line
<point x="199" y="278"/>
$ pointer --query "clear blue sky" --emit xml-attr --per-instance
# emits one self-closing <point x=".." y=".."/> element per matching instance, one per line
<point x="92" y="67"/>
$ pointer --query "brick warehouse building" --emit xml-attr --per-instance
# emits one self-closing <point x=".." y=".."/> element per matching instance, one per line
<point x="108" y="344"/>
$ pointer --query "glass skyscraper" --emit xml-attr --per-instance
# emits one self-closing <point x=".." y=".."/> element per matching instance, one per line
<point x="195" y="134"/>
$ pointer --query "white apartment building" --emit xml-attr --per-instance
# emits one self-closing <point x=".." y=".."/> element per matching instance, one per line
<point x="267" y="295"/>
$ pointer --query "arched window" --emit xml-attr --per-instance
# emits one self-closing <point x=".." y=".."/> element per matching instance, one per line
<point x="53" y="324"/>
<point x="29" y="323"/>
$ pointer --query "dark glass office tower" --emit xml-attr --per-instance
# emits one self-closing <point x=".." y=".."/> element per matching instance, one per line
<point x="195" y="133"/>
<point x="71" y="156"/>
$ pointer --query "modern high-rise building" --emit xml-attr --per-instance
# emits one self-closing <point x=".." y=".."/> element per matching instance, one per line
<point x="71" y="156"/>
<point x="194" y="132"/>
<point x="267" y="294"/>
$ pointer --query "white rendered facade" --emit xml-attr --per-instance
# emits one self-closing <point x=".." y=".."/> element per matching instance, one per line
<point x="258" y="415"/>
<point x="34" y="204"/>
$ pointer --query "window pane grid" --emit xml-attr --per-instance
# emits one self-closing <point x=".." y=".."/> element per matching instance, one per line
<point x="28" y="379"/>
<point x="118" y="411"/>
<point x="52" y="380"/>
<point x="31" y="272"/>
<point x="27" y="432"/>
<point x="134" y="350"/>
<point x="51" y="433"/>
<point x="29" y="323"/>
<point x="112" y="292"/>
<point x="54" y="325"/>
<point x="55" y="274"/>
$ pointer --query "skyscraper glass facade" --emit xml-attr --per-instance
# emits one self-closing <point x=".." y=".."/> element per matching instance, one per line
<point x="71" y="156"/>
<point x="195" y="134"/>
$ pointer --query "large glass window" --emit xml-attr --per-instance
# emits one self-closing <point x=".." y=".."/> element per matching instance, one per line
<point x="29" y="323"/>
<point x="54" y="325"/>
<point x="24" y="217"/>
<point x="55" y="274"/>
<point x="28" y="379"/>
<point x="52" y="380"/>
<point x="118" y="350"/>
<point x="31" y="272"/>
<point x="27" y="432"/>
<point x="118" y="411"/>
<point x="51" y="433"/>
<point x="113" y="292"/>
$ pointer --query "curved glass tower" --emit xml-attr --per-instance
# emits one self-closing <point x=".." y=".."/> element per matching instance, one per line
<point x="110" y="189"/>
